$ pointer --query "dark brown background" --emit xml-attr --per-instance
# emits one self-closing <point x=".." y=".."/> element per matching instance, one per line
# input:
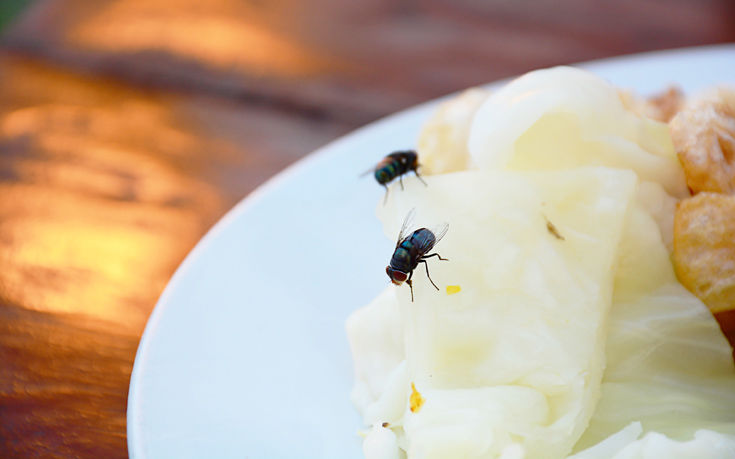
<point x="128" y="127"/>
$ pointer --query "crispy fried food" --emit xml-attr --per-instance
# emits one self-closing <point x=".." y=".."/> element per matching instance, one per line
<point x="704" y="138"/>
<point x="704" y="248"/>
<point x="660" y="107"/>
<point x="442" y="143"/>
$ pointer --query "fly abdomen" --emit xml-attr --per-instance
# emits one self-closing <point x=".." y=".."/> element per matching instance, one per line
<point x="422" y="237"/>
<point x="387" y="172"/>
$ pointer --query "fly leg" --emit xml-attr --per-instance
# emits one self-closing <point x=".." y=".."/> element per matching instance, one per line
<point x="400" y="179"/>
<point x="385" y="199"/>
<point x="426" y="265"/>
<point x="435" y="255"/>
<point x="419" y="177"/>
<point x="410" y="284"/>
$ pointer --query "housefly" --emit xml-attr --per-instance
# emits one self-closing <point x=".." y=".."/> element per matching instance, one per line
<point x="411" y="250"/>
<point x="396" y="164"/>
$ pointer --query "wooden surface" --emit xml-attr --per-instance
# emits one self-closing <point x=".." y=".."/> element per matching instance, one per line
<point x="128" y="127"/>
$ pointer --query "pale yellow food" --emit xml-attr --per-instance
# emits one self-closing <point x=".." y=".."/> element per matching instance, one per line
<point x="704" y="248"/>
<point x="704" y="137"/>
<point x="504" y="362"/>
<point x="571" y="330"/>
<point x="668" y="366"/>
<point x="563" y="118"/>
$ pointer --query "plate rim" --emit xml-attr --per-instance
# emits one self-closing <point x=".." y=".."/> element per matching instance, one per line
<point x="135" y="445"/>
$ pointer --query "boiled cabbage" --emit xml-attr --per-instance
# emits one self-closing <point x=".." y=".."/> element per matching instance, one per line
<point x="559" y="239"/>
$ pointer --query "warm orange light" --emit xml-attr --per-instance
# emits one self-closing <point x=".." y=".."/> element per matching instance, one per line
<point x="101" y="208"/>
<point x="221" y="35"/>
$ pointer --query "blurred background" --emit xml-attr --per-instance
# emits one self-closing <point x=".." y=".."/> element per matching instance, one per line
<point x="128" y="127"/>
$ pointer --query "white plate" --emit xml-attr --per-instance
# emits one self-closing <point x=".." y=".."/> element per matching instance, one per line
<point x="245" y="354"/>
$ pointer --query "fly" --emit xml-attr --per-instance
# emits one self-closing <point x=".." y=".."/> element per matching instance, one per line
<point x="396" y="164"/>
<point x="411" y="250"/>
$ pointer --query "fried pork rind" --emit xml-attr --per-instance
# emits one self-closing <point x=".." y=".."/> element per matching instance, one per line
<point x="442" y="142"/>
<point x="660" y="107"/>
<point x="704" y="138"/>
<point x="704" y="248"/>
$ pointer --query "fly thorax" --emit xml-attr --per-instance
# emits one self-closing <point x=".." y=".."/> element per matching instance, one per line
<point x="401" y="258"/>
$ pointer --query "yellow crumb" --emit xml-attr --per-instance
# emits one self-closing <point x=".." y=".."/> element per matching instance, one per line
<point x="416" y="400"/>
<point x="452" y="289"/>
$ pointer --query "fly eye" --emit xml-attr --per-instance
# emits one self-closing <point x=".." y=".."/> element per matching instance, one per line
<point x="391" y="273"/>
<point x="398" y="277"/>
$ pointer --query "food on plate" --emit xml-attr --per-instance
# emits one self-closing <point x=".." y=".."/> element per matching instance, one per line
<point x="443" y="138"/>
<point x="704" y="248"/>
<point x="660" y="107"/>
<point x="559" y="119"/>
<point x="704" y="135"/>
<point x="572" y="335"/>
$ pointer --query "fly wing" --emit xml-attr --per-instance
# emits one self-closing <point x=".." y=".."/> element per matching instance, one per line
<point x="439" y="232"/>
<point x="404" y="228"/>
<point x="369" y="171"/>
<point x="377" y="166"/>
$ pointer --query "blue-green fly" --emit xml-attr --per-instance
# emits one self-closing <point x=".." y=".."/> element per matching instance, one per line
<point x="396" y="164"/>
<point x="411" y="250"/>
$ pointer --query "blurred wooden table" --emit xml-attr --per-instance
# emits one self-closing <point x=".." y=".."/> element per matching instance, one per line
<point x="128" y="127"/>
